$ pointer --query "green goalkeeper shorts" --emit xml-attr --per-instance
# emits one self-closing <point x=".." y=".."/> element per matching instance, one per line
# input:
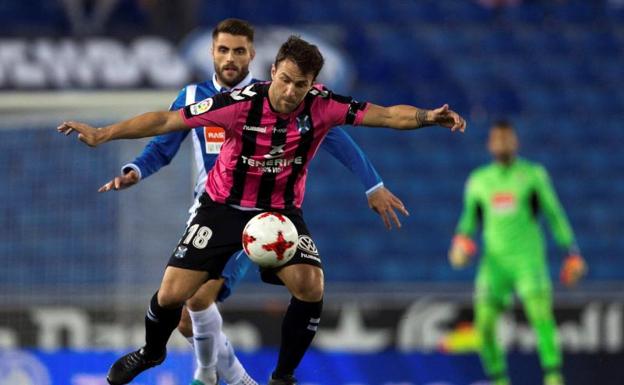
<point x="497" y="282"/>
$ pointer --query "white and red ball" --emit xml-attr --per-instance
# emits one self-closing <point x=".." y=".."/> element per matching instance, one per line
<point x="270" y="239"/>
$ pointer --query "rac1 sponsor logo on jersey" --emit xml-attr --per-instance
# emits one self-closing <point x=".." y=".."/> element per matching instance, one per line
<point x="214" y="138"/>
<point x="504" y="202"/>
<point x="201" y="107"/>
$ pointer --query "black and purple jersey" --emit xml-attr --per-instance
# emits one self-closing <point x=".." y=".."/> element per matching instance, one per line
<point x="263" y="161"/>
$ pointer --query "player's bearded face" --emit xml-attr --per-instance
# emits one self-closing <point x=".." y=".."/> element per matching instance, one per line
<point x="289" y="86"/>
<point x="231" y="55"/>
<point x="503" y="144"/>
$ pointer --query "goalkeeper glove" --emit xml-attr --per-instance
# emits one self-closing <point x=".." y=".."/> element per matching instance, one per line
<point x="573" y="269"/>
<point x="462" y="249"/>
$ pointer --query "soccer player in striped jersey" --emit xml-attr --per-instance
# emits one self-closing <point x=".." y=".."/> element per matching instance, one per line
<point x="232" y="53"/>
<point x="273" y="130"/>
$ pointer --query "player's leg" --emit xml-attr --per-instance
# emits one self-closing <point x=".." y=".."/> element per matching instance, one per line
<point x="229" y="368"/>
<point x="302" y="318"/>
<point x="491" y="353"/>
<point x="212" y="236"/>
<point x="206" y="321"/>
<point x="163" y="315"/>
<point x="303" y="276"/>
<point x="538" y="308"/>
<point x="185" y="326"/>
<point x="536" y="294"/>
<point x="492" y="296"/>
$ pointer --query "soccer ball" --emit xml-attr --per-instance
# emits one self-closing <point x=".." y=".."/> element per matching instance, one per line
<point x="270" y="239"/>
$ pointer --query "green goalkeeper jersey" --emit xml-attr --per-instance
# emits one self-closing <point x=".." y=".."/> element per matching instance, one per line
<point x="507" y="200"/>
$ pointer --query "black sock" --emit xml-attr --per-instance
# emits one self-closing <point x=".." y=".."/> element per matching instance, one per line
<point x="298" y="329"/>
<point x="159" y="324"/>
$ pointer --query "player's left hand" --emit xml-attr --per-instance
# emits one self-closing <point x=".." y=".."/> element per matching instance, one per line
<point x="446" y="117"/>
<point x="383" y="202"/>
<point x="86" y="133"/>
<point x="572" y="270"/>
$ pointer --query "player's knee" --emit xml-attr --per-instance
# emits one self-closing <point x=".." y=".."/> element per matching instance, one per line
<point x="309" y="287"/>
<point x="198" y="303"/>
<point x="205" y="296"/>
<point x="169" y="297"/>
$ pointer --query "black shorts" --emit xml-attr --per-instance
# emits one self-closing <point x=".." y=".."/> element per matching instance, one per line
<point x="214" y="234"/>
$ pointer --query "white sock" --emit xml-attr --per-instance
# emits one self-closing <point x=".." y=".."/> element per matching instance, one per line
<point x="229" y="367"/>
<point x="190" y="341"/>
<point x="206" y="340"/>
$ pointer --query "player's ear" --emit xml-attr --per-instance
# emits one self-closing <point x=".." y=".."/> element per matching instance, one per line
<point x="273" y="70"/>
<point x="252" y="52"/>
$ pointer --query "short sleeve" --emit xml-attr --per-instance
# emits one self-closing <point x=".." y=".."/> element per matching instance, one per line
<point x="220" y="110"/>
<point x="338" y="109"/>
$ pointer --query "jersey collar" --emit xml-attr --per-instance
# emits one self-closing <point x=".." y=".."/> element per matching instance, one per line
<point x="243" y="83"/>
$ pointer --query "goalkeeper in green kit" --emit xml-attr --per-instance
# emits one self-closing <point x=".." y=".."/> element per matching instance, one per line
<point x="507" y="197"/>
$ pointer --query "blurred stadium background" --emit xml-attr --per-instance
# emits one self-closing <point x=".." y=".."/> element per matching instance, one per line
<point x="78" y="267"/>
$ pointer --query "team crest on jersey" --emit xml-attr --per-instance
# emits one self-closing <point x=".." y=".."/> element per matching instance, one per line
<point x="303" y="124"/>
<point x="180" y="252"/>
<point x="201" y="107"/>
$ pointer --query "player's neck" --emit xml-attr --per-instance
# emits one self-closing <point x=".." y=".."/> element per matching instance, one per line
<point x="506" y="161"/>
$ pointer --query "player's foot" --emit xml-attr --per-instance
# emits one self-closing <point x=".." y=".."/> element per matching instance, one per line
<point x="246" y="380"/>
<point x="283" y="380"/>
<point x="205" y="376"/>
<point x="130" y="366"/>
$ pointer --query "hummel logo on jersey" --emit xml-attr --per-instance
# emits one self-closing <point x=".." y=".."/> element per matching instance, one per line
<point x="254" y="128"/>
<point x="303" y="124"/>
<point x="242" y="94"/>
<point x="321" y="93"/>
<point x="276" y="152"/>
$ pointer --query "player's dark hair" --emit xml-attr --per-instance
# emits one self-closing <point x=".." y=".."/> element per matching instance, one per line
<point x="307" y="56"/>
<point x="235" y="27"/>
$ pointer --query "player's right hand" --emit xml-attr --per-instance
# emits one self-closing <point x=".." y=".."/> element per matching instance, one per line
<point x="87" y="134"/>
<point x="462" y="250"/>
<point x="121" y="182"/>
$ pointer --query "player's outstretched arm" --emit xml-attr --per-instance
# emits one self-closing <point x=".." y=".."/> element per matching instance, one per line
<point x="403" y="117"/>
<point x="148" y="124"/>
